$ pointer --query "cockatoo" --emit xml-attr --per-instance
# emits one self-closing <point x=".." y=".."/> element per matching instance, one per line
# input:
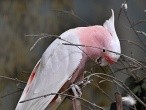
<point x="62" y="63"/>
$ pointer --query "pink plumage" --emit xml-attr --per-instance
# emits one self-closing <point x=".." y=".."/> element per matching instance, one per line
<point x="62" y="63"/>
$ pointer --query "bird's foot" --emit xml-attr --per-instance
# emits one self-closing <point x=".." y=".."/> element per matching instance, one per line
<point x="77" y="94"/>
<point x="76" y="90"/>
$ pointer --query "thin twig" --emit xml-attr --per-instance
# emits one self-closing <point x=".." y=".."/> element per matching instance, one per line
<point x="10" y="93"/>
<point x="128" y="70"/>
<point x="43" y="36"/>
<point x="122" y="8"/>
<point x="140" y="21"/>
<point x="67" y="95"/>
<point x="125" y="68"/>
<point x="12" y="79"/>
<point x="133" y="28"/>
<point x="86" y="106"/>
<point x="96" y="85"/>
<point x="72" y="13"/>
<point x="131" y="42"/>
<point x="141" y="32"/>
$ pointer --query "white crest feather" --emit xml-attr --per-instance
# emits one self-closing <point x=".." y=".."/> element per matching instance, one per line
<point x="129" y="100"/>
<point x="109" y="24"/>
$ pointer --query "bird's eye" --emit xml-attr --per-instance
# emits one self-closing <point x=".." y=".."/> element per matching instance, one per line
<point x="103" y="50"/>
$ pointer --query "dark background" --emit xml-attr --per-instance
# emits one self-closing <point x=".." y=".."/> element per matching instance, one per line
<point x="21" y="17"/>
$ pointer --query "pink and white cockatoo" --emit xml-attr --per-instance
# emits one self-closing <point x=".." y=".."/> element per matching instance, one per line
<point x="61" y="63"/>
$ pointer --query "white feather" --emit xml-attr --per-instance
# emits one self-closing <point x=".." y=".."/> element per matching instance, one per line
<point x="128" y="100"/>
<point x="56" y="66"/>
<point x="110" y="25"/>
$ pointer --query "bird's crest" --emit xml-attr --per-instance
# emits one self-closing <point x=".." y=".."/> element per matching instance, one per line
<point x="109" y="24"/>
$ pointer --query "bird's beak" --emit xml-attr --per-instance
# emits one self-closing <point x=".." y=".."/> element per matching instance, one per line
<point x="109" y="60"/>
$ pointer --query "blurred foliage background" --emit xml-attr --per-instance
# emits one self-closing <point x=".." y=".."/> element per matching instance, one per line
<point x="21" y="17"/>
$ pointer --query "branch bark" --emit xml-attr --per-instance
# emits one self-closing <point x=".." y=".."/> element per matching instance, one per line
<point x="118" y="101"/>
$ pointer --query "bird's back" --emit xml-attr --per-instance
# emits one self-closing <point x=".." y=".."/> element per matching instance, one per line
<point x="56" y="66"/>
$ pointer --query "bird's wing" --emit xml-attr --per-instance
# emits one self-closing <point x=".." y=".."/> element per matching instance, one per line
<point x="54" y="68"/>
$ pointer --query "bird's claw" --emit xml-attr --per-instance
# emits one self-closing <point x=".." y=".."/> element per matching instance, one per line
<point x="76" y="90"/>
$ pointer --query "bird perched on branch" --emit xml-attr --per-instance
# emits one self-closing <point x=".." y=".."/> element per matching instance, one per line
<point x="63" y="62"/>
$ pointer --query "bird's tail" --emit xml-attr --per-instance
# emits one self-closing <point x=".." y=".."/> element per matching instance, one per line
<point x="26" y="89"/>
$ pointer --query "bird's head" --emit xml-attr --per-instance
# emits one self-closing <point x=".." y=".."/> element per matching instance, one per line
<point x="108" y="57"/>
<point x="111" y="51"/>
